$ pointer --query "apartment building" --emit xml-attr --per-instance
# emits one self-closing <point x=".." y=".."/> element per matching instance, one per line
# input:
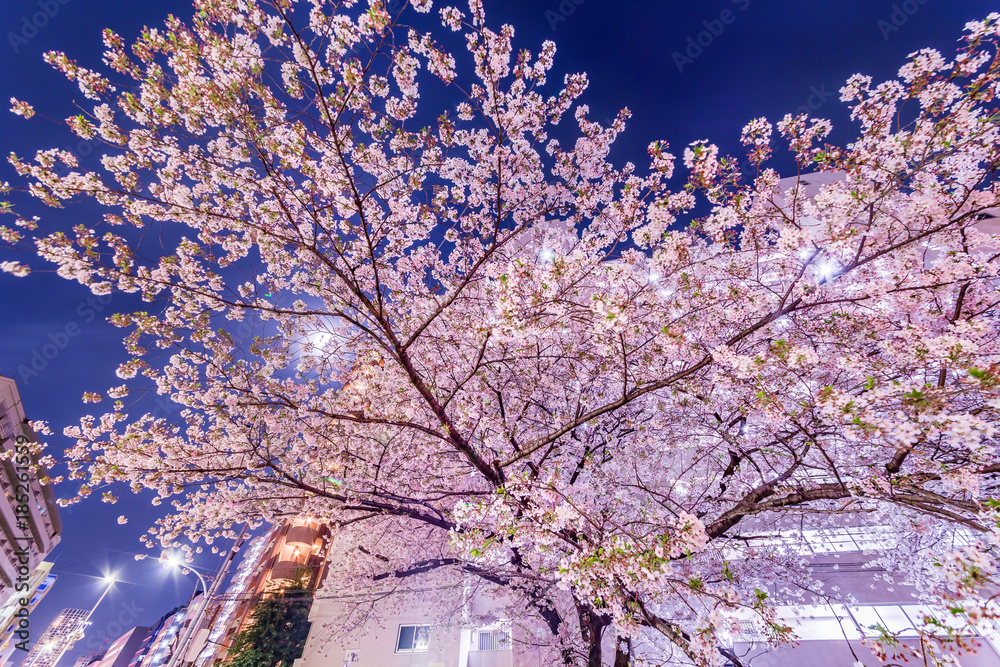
<point x="293" y="550"/>
<point x="29" y="525"/>
<point x="404" y="635"/>
<point x="63" y="632"/>
<point x="166" y="632"/>
<point x="122" y="650"/>
<point x="29" y="521"/>
<point x="149" y="641"/>
<point x="39" y="583"/>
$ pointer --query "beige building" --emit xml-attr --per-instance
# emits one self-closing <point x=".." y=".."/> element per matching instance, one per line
<point x="29" y="521"/>
<point x="297" y="548"/>
<point x="400" y="634"/>
<point x="29" y="517"/>
<point x="39" y="584"/>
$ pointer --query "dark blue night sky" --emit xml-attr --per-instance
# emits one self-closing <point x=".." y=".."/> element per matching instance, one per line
<point x="687" y="69"/>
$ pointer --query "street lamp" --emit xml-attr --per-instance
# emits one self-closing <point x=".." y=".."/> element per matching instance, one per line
<point x="78" y="632"/>
<point x="177" y="657"/>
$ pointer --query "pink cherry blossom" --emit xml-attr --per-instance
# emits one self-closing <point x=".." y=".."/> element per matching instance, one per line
<point x="478" y="350"/>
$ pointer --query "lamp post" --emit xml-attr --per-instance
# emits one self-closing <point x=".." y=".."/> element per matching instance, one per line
<point x="177" y="657"/>
<point x="78" y="633"/>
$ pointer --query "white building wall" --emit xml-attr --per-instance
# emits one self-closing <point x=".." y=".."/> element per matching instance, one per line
<point x="376" y="645"/>
<point x="26" y="537"/>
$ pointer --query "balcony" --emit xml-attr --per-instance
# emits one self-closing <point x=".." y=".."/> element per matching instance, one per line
<point x="287" y="569"/>
<point x="302" y="536"/>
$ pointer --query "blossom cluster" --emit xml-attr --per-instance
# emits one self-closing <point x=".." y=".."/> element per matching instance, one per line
<point x="449" y="326"/>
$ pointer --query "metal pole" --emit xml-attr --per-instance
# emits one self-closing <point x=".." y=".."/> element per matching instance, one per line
<point x="220" y="575"/>
<point x="177" y="657"/>
<point x="83" y="624"/>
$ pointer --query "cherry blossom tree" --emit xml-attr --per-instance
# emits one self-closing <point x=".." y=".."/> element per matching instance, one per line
<point x="424" y="306"/>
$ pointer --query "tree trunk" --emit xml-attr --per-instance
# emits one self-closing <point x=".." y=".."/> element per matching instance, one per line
<point x="592" y="626"/>
<point x="623" y="652"/>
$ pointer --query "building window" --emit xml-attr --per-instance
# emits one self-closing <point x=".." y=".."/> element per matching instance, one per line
<point x="6" y="423"/>
<point x="413" y="638"/>
<point x="495" y="637"/>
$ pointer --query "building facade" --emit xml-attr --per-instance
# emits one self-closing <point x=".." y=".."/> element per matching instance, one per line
<point x="165" y="636"/>
<point x="39" y="583"/>
<point x="149" y="642"/>
<point x="122" y="651"/>
<point x="63" y="632"/>
<point x="92" y="657"/>
<point x="29" y="516"/>
<point x="404" y="635"/>
<point x="29" y="523"/>
<point x="296" y="549"/>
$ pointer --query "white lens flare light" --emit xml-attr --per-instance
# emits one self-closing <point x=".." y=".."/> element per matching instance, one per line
<point x="318" y="339"/>
<point x="827" y="270"/>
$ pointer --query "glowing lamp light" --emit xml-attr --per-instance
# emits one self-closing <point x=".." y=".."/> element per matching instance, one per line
<point x="827" y="270"/>
<point x="171" y="561"/>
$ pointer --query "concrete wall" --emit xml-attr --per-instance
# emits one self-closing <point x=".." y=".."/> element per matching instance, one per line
<point x="375" y="645"/>
<point x="378" y="648"/>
